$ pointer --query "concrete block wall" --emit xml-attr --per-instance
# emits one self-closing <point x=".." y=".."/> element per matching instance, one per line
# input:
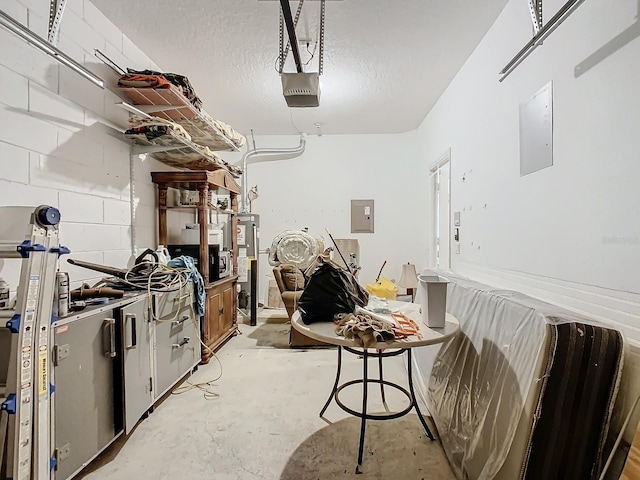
<point x="61" y="142"/>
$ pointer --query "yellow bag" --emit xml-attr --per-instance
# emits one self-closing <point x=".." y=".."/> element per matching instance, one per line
<point x="383" y="288"/>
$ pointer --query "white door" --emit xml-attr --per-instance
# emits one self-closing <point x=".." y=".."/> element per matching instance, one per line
<point x="441" y="224"/>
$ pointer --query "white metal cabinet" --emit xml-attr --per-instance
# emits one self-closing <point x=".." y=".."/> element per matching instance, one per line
<point x="176" y="342"/>
<point x="136" y="352"/>
<point x="85" y="410"/>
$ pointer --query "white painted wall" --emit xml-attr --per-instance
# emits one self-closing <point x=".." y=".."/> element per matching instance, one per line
<point x="60" y="137"/>
<point x="315" y="190"/>
<point x="568" y="233"/>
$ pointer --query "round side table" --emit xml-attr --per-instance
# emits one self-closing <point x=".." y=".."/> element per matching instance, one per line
<point x="326" y="332"/>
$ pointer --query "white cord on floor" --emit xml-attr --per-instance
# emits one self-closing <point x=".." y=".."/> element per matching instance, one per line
<point x="204" y="387"/>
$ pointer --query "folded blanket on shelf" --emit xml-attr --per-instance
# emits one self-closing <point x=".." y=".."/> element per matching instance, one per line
<point x="199" y="159"/>
<point x="233" y="170"/>
<point x="227" y="130"/>
<point x="142" y="123"/>
<point x="150" y="132"/>
<point x="157" y="131"/>
<point x="143" y="81"/>
<point x="178" y="80"/>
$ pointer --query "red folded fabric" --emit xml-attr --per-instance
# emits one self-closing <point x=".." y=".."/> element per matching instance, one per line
<point x="144" y="81"/>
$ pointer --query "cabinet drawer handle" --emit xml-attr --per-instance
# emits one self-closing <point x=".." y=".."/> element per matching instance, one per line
<point x="182" y="343"/>
<point x="131" y="319"/>
<point x="182" y="319"/>
<point x="109" y="327"/>
<point x="221" y="311"/>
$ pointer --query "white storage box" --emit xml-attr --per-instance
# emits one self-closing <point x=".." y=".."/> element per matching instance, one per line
<point x="191" y="236"/>
<point x="216" y="238"/>
<point x="432" y="293"/>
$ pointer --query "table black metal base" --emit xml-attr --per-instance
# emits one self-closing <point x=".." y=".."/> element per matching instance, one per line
<point x="365" y="381"/>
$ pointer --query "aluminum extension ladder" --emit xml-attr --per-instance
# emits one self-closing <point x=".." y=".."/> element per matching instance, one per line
<point x="26" y="420"/>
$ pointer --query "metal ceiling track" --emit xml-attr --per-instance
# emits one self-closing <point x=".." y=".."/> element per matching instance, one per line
<point x="291" y="30"/>
<point x="285" y="51"/>
<point x="541" y="32"/>
<point x="292" y="23"/>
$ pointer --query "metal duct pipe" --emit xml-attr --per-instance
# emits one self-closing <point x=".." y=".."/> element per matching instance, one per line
<point x="267" y="155"/>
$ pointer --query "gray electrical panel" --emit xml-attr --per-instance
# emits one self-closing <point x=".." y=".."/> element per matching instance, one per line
<point x="536" y="131"/>
<point x="362" y="216"/>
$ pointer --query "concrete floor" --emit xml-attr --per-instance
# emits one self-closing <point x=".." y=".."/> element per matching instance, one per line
<point x="264" y="424"/>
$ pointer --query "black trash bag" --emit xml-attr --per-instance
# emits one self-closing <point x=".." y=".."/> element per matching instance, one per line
<point x="330" y="290"/>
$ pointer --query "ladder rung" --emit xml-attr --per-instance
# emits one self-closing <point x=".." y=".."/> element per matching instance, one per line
<point x="9" y="251"/>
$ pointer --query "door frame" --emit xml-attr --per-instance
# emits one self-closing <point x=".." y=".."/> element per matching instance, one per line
<point x="433" y="198"/>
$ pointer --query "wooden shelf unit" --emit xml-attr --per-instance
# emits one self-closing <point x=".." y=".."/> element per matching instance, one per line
<point x="220" y="320"/>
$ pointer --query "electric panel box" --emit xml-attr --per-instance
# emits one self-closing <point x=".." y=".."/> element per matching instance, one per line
<point x="361" y="216"/>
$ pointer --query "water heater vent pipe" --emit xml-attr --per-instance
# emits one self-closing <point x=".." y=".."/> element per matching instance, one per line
<point x="266" y="155"/>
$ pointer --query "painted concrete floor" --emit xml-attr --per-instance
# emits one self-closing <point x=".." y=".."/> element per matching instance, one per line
<point x="264" y="422"/>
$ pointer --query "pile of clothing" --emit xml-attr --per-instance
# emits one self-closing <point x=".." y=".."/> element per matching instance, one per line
<point x="204" y="122"/>
<point x="153" y="79"/>
<point x="366" y="328"/>
<point x="363" y="329"/>
<point x="154" y="128"/>
<point x="195" y="126"/>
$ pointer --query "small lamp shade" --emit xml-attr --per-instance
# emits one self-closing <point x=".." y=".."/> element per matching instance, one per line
<point x="409" y="277"/>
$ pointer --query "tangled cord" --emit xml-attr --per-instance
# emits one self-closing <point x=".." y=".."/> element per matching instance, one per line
<point x="151" y="276"/>
<point x="157" y="277"/>
<point x="204" y="387"/>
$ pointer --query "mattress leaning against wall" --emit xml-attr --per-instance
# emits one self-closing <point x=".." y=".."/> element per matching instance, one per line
<point x="526" y="390"/>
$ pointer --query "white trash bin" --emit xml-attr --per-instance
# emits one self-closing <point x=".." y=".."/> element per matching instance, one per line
<point x="432" y="293"/>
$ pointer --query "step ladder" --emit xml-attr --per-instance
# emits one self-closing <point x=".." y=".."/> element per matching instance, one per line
<point x="26" y="426"/>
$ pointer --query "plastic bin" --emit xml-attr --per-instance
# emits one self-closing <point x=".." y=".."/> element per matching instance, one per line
<point x="432" y="296"/>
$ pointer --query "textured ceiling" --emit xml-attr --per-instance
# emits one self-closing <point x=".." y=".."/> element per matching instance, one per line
<point x="385" y="62"/>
